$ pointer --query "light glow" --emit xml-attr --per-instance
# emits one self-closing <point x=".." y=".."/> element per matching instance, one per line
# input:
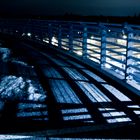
<point x="29" y="34"/>
<point x="124" y="36"/>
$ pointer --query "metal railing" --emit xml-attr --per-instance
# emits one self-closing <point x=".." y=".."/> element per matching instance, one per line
<point x="114" y="47"/>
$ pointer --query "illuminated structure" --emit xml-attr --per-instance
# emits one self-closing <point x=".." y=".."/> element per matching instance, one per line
<point x="64" y="71"/>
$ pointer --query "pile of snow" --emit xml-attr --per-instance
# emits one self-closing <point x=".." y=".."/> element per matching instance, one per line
<point x="4" y="54"/>
<point x="16" y="88"/>
<point x="34" y="93"/>
<point x="12" y="88"/>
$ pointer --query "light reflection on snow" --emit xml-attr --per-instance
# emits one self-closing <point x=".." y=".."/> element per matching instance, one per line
<point x="118" y="120"/>
<point x="30" y="105"/>
<point x="93" y="93"/>
<point x="137" y="112"/>
<point x="79" y="110"/>
<point x="33" y="110"/>
<point x="77" y="117"/>
<point x="114" y="116"/>
<point x="77" y="114"/>
<point x="133" y="106"/>
<point x="14" y="137"/>
<point x="73" y="73"/>
<point x="119" y="95"/>
<point x="96" y="77"/>
<point x="28" y="114"/>
<point x="106" y="109"/>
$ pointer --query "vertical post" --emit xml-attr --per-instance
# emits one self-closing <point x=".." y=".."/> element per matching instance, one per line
<point x="71" y="39"/>
<point x="84" y="49"/>
<point x="50" y="34"/>
<point x="59" y="36"/>
<point x="32" y="30"/>
<point x="129" y="53"/>
<point x="103" y="46"/>
<point x="41" y="31"/>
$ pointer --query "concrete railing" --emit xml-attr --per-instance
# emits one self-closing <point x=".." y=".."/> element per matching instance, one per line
<point x="114" y="47"/>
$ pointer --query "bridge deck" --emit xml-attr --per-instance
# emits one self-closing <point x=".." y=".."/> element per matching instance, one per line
<point x="71" y="98"/>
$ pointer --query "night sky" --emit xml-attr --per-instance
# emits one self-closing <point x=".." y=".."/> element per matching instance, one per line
<point x="61" y="7"/>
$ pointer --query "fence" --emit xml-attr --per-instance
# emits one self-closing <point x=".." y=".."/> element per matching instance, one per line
<point x="114" y="47"/>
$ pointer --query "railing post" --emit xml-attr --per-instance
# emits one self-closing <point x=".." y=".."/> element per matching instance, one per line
<point x="103" y="46"/>
<point x="50" y="34"/>
<point x="71" y="39"/>
<point x="129" y="53"/>
<point x="84" y="49"/>
<point x="32" y="30"/>
<point x="59" y="36"/>
<point x="41" y="31"/>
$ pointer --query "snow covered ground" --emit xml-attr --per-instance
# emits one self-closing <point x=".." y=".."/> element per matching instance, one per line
<point x="18" y="88"/>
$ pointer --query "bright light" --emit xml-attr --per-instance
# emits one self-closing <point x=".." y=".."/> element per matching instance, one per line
<point x="92" y="37"/>
<point x="91" y="41"/>
<point x="109" y="30"/>
<point x="124" y="36"/>
<point x="29" y="34"/>
<point x="79" y="52"/>
<point x="54" y="41"/>
<point x="122" y="42"/>
<point x="107" y="66"/>
<point x="45" y="40"/>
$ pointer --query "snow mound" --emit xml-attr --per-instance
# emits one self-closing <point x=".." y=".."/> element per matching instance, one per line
<point x="16" y="88"/>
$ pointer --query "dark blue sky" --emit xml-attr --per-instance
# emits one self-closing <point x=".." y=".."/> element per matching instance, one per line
<point x="83" y="7"/>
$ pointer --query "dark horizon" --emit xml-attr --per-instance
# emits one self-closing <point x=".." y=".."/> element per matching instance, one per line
<point x="119" y="11"/>
<point x="74" y="17"/>
<point x="76" y="7"/>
